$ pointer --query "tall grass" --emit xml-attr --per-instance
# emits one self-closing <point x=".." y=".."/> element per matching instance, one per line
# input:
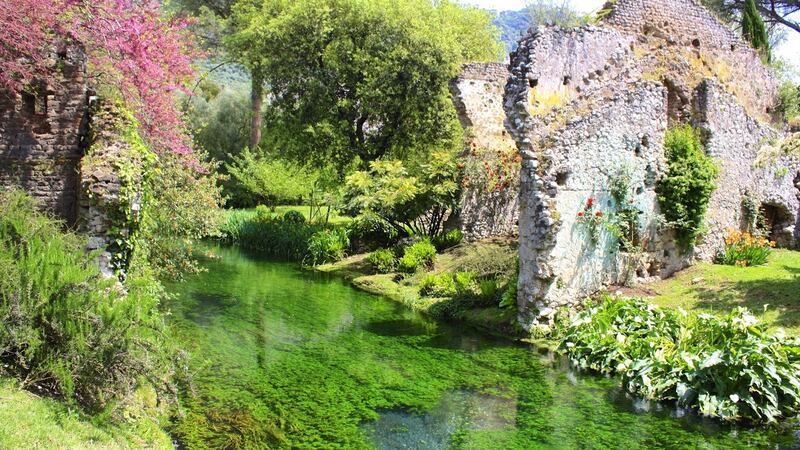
<point x="285" y="237"/>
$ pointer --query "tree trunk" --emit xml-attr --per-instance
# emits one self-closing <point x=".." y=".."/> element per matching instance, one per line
<point x="256" y="104"/>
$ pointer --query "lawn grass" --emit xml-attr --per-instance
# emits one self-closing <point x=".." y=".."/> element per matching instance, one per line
<point x="771" y="291"/>
<point x="334" y="219"/>
<point x="28" y="421"/>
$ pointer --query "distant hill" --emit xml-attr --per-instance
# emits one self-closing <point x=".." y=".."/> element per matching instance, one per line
<point x="512" y="25"/>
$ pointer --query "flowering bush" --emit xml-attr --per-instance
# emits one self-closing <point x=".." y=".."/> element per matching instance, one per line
<point x="131" y="46"/>
<point x="743" y="249"/>
<point x="490" y="170"/>
<point x="592" y="220"/>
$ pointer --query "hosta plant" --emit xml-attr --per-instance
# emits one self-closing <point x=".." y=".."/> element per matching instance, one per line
<point x="727" y="367"/>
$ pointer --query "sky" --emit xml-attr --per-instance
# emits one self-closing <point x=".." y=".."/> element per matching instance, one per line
<point x="789" y="50"/>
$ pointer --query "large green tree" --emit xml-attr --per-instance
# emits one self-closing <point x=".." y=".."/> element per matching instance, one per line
<point x="351" y="81"/>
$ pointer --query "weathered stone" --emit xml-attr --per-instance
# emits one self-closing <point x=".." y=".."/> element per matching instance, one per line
<point x="654" y="63"/>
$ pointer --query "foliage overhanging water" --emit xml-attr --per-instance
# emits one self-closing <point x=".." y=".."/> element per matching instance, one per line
<point x="284" y="358"/>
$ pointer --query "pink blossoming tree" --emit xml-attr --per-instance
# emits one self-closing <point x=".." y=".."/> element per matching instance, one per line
<point x="130" y="46"/>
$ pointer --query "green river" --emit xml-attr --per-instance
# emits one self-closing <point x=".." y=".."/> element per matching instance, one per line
<point x="285" y="358"/>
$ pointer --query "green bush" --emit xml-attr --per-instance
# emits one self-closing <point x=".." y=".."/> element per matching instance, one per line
<point x="447" y="240"/>
<point x="727" y="367"/>
<point x="438" y="285"/>
<point x="466" y="283"/>
<point x="327" y="246"/>
<point x="66" y="329"/>
<point x="684" y="191"/>
<point x="370" y="232"/>
<point x="295" y="217"/>
<point x="263" y="213"/>
<point x="382" y="260"/>
<point x="789" y="100"/>
<point x="417" y="256"/>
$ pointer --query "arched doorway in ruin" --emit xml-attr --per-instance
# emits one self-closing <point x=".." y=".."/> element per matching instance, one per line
<point x="777" y="223"/>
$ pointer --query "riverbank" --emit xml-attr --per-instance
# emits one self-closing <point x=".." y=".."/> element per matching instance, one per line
<point x="30" y="421"/>
<point x="405" y="289"/>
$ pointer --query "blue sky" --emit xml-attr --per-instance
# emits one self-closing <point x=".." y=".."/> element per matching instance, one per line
<point x="789" y="50"/>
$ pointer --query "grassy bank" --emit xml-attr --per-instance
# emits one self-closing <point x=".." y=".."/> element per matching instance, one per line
<point x="406" y="288"/>
<point x="771" y="291"/>
<point x="32" y="422"/>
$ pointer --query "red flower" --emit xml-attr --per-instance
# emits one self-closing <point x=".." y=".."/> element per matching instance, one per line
<point x="590" y="202"/>
<point x="580" y="214"/>
<point x="598" y="214"/>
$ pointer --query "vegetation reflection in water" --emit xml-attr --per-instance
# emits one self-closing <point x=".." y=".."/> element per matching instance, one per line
<point x="284" y="358"/>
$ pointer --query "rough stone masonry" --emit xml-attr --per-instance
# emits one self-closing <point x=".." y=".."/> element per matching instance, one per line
<point x="592" y="104"/>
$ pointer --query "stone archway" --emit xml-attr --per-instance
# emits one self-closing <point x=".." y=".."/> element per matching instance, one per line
<point x="778" y="223"/>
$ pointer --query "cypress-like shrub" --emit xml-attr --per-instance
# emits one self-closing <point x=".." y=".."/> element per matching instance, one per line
<point x="684" y="191"/>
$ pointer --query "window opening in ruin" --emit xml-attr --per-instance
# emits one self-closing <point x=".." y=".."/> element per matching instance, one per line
<point x="567" y="79"/>
<point x="696" y="43"/>
<point x="733" y="47"/>
<point x="561" y="178"/>
<point x="33" y="103"/>
<point x="533" y="82"/>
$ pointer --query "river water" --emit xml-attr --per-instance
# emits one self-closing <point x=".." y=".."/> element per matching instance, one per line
<point x="279" y="357"/>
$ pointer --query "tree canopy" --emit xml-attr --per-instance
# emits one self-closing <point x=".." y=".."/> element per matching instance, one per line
<point x="351" y="81"/>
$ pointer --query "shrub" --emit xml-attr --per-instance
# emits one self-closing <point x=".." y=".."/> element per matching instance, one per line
<point x="295" y="217"/>
<point x="438" y="285"/>
<point x="727" y="367"/>
<point x="66" y="329"/>
<point x="327" y="246"/>
<point x="370" y="232"/>
<point x="263" y="213"/>
<point x="382" y="260"/>
<point x="417" y="256"/>
<point x="465" y="283"/>
<point x="684" y="191"/>
<point x="509" y="297"/>
<point x="743" y="249"/>
<point x="447" y="240"/>
<point x="488" y="289"/>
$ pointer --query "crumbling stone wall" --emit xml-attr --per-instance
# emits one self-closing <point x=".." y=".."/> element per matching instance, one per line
<point x="583" y="103"/>
<point x="40" y="137"/>
<point x="685" y="22"/>
<point x="736" y="142"/>
<point x="67" y="152"/>
<point x="485" y="211"/>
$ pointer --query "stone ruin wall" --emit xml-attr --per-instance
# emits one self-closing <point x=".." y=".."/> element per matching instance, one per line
<point x="581" y="103"/>
<point x="736" y="141"/>
<point x="687" y="24"/>
<point x="558" y="261"/>
<point x="478" y="97"/>
<point x="40" y="138"/>
<point x="43" y="150"/>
